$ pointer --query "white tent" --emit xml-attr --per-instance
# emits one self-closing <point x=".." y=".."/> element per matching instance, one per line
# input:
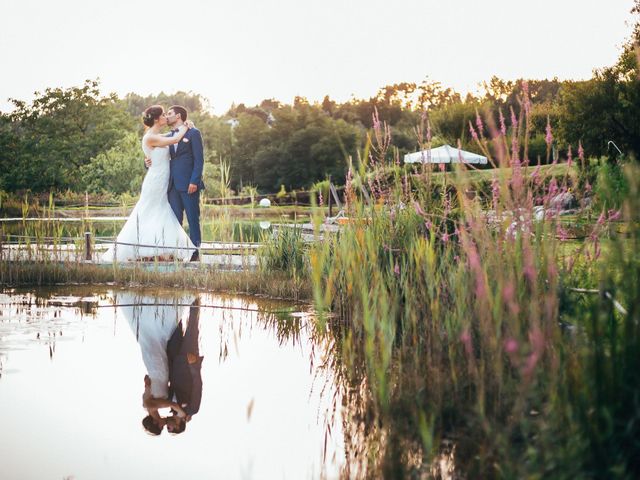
<point x="444" y="154"/>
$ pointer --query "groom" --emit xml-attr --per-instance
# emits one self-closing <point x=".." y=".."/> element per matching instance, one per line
<point x="185" y="180"/>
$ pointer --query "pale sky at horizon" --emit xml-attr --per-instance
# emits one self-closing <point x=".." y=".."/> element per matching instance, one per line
<point x="244" y="51"/>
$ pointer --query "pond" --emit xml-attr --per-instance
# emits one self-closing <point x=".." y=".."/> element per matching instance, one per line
<point x="73" y="362"/>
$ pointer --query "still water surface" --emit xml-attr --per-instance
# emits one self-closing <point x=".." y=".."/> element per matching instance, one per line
<point x="72" y="368"/>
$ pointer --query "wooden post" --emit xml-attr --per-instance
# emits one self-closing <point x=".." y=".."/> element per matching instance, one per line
<point x="87" y="246"/>
<point x="330" y="209"/>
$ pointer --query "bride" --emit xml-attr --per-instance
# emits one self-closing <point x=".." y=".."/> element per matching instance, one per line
<point x="152" y="229"/>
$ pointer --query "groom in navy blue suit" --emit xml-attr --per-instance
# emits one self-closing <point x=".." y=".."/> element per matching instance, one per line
<point x="185" y="181"/>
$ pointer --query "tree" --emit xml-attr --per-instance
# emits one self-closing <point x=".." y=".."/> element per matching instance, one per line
<point x="118" y="170"/>
<point x="604" y="108"/>
<point x="59" y="132"/>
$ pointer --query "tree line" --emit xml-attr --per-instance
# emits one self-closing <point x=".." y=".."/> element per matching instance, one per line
<point x="80" y="139"/>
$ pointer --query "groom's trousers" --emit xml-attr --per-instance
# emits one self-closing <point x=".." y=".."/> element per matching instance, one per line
<point x="181" y="203"/>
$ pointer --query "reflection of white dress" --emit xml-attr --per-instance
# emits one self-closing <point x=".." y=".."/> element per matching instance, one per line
<point x="152" y="221"/>
<point x="153" y="320"/>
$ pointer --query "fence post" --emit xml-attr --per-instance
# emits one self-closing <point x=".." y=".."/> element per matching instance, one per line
<point x="87" y="246"/>
<point x="330" y="209"/>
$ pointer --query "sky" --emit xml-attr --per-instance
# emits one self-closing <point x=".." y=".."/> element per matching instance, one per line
<point x="244" y="51"/>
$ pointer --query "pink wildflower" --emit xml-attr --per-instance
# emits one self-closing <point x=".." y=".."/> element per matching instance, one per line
<point x="508" y="292"/>
<point x="479" y="123"/>
<point x="561" y="233"/>
<point x="503" y="127"/>
<point x="472" y="130"/>
<point x="511" y="345"/>
<point x="396" y="269"/>
<point x="445" y="237"/>
<point x="613" y="215"/>
<point x="465" y="338"/>
<point x="514" y="120"/>
<point x="569" y="157"/>
<point x="495" y="192"/>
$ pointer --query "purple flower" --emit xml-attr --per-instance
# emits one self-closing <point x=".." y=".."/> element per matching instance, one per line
<point x="569" y="157"/>
<point x="479" y="123"/>
<point x="511" y="345"/>
<point x="465" y="338"/>
<point x="613" y="215"/>
<point x="503" y="127"/>
<point x="396" y="269"/>
<point x="474" y="135"/>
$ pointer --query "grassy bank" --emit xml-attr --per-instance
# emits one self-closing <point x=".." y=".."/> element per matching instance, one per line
<point x="272" y="284"/>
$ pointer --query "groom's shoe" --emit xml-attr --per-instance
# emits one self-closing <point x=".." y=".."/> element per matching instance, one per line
<point x="195" y="257"/>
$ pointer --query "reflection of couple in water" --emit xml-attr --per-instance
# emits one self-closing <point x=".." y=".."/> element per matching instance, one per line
<point x="171" y="355"/>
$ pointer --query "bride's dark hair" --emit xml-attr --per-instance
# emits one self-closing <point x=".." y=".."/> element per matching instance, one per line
<point x="151" y="114"/>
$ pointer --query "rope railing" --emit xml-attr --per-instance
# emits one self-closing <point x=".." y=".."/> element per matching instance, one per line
<point x="87" y="240"/>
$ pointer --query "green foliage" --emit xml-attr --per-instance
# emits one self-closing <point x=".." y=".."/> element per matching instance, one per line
<point x="604" y="108"/>
<point x="611" y="186"/>
<point x="284" y="251"/>
<point x="59" y="132"/>
<point x="118" y="170"/>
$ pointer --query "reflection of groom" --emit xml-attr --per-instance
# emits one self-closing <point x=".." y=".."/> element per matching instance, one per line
<point x="185" y="363"/>
<point x="185" y="181"/>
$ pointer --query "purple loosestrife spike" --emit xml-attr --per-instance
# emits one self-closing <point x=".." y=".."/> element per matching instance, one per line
<point x="562" y="233"/>
<point x="465" y="338"/>
<point x="495" y="192"/>
<point x="510" y="345"/>
<point x="503" y="127"/>
<point x="569" y="157"/>
<point x="474" y="135"/>
<point x="613" y="215"/>
<point x="514" y="120"/>
<point x="580" y="152"/>
<point x="479" y="124"/>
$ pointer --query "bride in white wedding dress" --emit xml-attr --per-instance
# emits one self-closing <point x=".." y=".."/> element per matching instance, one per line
<point x="152" y="229"/>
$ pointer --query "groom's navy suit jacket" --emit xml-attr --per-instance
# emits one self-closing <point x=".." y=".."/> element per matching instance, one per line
<point x="187" y="161"/>
<point x="185" y="379"/>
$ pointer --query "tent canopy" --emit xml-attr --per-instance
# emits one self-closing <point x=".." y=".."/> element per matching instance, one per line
<point x="444" y="154"/>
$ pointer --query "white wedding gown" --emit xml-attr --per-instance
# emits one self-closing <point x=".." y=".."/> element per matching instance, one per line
<point x="153" y="320"/>
<point x="152" y="222"/>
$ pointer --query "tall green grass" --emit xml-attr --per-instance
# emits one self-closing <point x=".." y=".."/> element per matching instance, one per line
<point x="459" y="334"/>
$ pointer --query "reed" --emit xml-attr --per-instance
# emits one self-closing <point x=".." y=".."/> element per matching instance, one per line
<point x="460" y="334"/>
